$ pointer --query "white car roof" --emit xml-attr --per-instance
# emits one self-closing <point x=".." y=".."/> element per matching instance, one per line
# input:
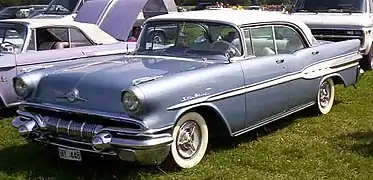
<point x="92" y="31"/>
<point x="238" y="17"/>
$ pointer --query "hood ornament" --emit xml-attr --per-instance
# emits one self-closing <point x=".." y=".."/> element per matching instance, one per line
<point x="72" y="96"/>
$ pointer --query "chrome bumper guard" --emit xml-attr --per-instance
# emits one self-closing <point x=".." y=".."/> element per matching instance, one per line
<point x="128" y="145"/>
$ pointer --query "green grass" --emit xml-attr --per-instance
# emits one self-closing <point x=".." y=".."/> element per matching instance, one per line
<point x="335" y="146"/>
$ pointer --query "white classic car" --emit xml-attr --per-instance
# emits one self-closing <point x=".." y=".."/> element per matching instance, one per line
<point x="27" y="44"/>
<point x="340" y="20"/>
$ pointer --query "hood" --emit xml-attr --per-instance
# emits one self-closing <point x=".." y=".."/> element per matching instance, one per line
<point x="117" y="17"/>
<point x="100" y="83"/>
<point x="334" y="20"/>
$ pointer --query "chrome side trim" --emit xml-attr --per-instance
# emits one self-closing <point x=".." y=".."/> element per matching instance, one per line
<point x="273" y="118"/>
<point x="68" y="147"/>
<point x="338" y="36"/>
<point x="312" y="71"/>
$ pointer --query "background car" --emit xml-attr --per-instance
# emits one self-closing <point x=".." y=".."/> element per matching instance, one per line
<point x="38" y="43"/>
<point x="13" y="12"/>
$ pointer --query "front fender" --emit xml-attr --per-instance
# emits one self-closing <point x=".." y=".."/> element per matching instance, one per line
<point x="211" y="106"/>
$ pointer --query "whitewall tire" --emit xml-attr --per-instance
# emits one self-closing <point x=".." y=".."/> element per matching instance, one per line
<point x="190" y="140"/>
<point x="325" y="96"/>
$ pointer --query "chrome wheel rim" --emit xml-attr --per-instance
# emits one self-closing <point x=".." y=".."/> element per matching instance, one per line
<point x="325" y="94"/>
<point x="188" y="140"/>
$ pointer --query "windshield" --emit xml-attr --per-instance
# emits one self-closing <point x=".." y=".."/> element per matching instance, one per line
<point x="331" y="6"/>
<point x="187" y="39"/>
<point x="8" y="10"/>
<point x="63" y="7"/>
<point x="12" y="37"/>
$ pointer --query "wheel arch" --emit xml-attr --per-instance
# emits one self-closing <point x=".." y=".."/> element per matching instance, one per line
<point x="337" y="79"/>
<point x="216" y="122"/>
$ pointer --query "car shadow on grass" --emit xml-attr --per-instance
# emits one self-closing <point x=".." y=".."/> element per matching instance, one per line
<point x="358" y="142"/>
<point x="7" y="113"/>
<point x="37" y="162"/>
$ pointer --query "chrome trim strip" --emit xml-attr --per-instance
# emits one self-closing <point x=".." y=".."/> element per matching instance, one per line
<point x="112" y="116"/>
<point x="81" y="129"/>
<point x="273" y="118"/>
<point x="338" y="36"/>
<point x="68" y="128"/>
<point x="58" y="123"/>
<point x="68" y="147"/>
<point x="164" y="140"/>
<point x="151" y="133"/>
<point x="312" y="71"/>
<point x="142" y="144"/>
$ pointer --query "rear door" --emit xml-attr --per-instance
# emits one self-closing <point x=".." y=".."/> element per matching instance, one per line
<point x="266" y="91"/>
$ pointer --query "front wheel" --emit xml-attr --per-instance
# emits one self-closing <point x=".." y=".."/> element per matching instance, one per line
<point x="190" y="141"/>
<point x="325" y="97"/>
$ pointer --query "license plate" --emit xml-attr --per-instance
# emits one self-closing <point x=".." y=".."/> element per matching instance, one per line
<point x="69" y="154"/>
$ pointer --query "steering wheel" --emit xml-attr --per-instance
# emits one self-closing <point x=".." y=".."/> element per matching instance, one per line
<point x="226" y="47"/>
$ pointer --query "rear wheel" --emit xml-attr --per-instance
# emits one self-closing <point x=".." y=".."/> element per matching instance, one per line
<point x="325" y="97"/>
<point x="190" y="141"/>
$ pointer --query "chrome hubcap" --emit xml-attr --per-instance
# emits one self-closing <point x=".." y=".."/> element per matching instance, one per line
<point x="325" y="94"/>
<point x="188" y="139"/>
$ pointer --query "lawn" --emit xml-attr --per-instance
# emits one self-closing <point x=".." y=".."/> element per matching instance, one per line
<point x="336" y="146"/>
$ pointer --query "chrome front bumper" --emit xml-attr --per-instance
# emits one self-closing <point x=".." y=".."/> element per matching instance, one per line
<point x="129" y="145"/>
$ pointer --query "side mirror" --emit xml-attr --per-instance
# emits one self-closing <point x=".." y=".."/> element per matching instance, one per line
<point x="229" y="54"/>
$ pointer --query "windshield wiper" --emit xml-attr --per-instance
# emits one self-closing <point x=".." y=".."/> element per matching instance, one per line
<point x="306" y="10"/>
<point x="349" y="10"/>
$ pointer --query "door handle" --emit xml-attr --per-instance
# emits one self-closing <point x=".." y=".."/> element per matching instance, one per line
<point x="280" y="61"/>
<point x="315" y="52"/>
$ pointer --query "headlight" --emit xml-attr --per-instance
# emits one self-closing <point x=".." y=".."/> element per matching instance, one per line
<point x="130" y="101"/>
<point x="20" y="87"/>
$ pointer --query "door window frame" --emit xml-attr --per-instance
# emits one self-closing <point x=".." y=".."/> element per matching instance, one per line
<point x="297" y="29"/>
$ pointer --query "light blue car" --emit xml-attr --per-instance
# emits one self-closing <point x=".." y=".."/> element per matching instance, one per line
<point x="216" y="76"/>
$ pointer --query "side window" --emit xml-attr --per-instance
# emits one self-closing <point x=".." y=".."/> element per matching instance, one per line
<point x="61" y="33"/>
<point x="249" y="47"/>
<point x="263" y="41"/>
<point x="78" y="39"/>
<point x="31" y="46"/>
<point x="52" y="38"/>
<point x="287" y="40"/>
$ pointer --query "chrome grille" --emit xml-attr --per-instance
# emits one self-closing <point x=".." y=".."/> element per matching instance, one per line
<point x="71" y="128"/>
<point x="338" y="34"/>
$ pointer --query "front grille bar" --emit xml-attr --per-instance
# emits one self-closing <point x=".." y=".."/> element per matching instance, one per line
<point x="71" y="128"/>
